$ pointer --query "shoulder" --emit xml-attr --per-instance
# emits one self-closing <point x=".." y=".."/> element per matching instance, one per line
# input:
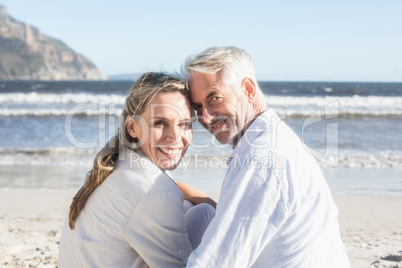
<point x="135" y="178"/>
<point x="138" y="182"/>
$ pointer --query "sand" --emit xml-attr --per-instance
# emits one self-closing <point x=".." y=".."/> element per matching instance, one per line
<point x="371" y="229"/>
<point x="31" y="221"/>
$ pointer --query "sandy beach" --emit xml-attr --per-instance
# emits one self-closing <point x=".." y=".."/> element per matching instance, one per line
<point x="31" y="221"/>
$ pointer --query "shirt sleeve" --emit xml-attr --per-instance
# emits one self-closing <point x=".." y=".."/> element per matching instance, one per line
<point x="156" y="230"/>
<point x="252" y="206"/>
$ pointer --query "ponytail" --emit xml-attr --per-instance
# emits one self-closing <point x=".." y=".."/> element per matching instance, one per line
<point x="104" y="164"/>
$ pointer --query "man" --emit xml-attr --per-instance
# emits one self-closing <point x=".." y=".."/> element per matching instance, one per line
<point x="275" y="208"/>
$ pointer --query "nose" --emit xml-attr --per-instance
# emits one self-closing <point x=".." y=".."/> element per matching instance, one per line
<point x="174" y="134"/>
<point x="205" y="116"/>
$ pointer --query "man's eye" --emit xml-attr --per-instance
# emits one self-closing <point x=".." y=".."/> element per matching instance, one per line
<point x="196" y="106"/>
<point x="215" y="100"/>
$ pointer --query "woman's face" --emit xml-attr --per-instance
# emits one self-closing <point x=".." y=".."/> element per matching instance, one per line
<point x="164" y="129"/>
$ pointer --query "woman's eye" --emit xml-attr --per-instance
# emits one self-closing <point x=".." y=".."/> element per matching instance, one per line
<point x="186" y="125"/>
<point x="159" y="123"/>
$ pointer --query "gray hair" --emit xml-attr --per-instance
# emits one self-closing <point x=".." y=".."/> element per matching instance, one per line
<point x="233" y="63"/>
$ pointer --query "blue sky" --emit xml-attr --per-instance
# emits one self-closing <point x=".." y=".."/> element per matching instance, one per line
<point x="342" y="40"/>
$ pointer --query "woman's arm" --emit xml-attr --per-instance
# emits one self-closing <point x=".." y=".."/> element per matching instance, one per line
<point x="194" y="195"/>
<point x="156" y="229"/>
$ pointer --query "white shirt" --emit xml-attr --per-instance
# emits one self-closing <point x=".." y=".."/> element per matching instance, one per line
<point x="135" y="218"/>
<point x="275" y="208"/>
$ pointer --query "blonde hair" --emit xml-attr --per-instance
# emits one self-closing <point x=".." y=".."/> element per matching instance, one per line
<point x="146" y="87"/>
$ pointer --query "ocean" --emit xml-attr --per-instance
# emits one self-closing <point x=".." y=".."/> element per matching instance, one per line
<point x="50" y="132"/>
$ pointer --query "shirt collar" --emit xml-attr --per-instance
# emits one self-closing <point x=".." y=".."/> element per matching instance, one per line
<point x="262" y="123"/>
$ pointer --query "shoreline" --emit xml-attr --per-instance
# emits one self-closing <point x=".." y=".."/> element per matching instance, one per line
<point x="385" y="182"/>
<point x="31" y="222"/>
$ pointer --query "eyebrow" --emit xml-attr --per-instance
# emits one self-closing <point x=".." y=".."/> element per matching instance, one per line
<point x="159" y="117"/>
<point x="210" y="94"/>
<point x="167" y="119"/>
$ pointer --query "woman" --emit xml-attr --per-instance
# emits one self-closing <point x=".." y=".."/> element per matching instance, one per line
<point x="130" y="213"/>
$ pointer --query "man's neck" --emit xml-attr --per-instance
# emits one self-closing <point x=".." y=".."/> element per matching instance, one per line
<point x="237" y="138"/>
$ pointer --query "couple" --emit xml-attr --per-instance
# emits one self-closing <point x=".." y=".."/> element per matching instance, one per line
<point x="275" y="209"/>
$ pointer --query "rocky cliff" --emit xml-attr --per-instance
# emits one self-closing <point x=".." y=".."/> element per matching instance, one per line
<point x="26" y="53"/>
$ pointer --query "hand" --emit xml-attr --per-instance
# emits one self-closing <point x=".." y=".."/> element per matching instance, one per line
<point x="194" y="195"/>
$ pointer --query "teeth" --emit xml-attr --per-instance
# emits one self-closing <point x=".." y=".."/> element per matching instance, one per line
<point x="171" y="152"/>
<point x="220" y="124"/>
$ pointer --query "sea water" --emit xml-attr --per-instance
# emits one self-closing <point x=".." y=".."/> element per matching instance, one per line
<point x="56" y="128"/>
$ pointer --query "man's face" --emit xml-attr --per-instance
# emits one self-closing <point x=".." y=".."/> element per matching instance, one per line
<point x="218" y="106"/>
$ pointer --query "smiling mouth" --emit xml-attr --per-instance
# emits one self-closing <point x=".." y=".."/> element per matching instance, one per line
<point x="218" y="125"/>
<point x="171" y="153"/>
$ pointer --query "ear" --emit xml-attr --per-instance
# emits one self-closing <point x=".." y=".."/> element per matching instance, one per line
<point x="249" y="88"/>
<point x="130" y="127"/>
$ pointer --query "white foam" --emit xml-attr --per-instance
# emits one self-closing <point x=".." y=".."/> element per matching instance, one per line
<point x="45" y="104"/>
<point x="58" y="156"/>
<point x="50" y="104"/>
<point x="334" y="106"/>
<point x="84" y="157"/>
<point x="58" y="112"/>
<point x="53" y="98"/>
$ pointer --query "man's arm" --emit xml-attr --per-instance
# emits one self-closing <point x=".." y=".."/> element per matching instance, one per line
<point x="252" y="206"/>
